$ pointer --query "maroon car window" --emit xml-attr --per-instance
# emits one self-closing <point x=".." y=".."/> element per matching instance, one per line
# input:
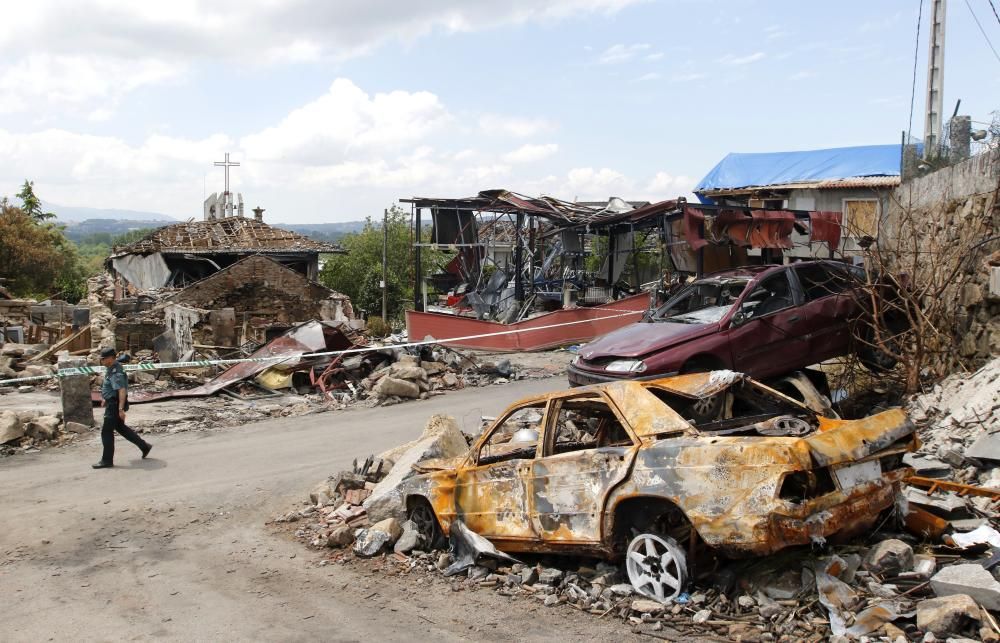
<point x="772" y="294"/>
<point x="820" y="280"/>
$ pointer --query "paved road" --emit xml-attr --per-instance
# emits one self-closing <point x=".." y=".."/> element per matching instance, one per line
<point x="175" y="547"/>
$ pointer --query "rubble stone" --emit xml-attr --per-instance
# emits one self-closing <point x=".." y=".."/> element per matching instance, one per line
<point x="550" y="576"/>
<point x="529" y="576"/>
<point x="441" y="439"/>
<point x="11" y="427"/>
<point x="370" y="542"/>
<point x="646" y="606"/>
<point x="409" y="540"/>
<point x="42" y="428"/>
<point x="391" y="386"/>
<point x="321" y="494"/>
<point x="341" y="536"/>
<point x="76" y="427"/>
<point x="701" y="616"/>
<point x="890" y="557"/>
<point x="971" y="580"/>
<point x="946" y="614"/>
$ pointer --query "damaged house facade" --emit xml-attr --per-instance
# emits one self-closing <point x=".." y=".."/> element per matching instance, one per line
<point x="852" y="184"/>
<point x="227" y="284"/>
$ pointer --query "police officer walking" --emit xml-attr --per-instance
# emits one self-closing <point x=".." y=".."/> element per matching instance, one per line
<point x="114" y="390"/>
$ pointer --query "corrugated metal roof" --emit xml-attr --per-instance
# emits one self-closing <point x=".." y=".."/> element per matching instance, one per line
<point x="829" y="184"/>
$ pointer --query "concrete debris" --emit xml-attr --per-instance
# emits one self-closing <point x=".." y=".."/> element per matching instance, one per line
<point x="890" y="557"/>
<point x="968" y="579"/>
<point x="982" y="535"/>
<point x="441" y="439"/>
<point x="948" y="614"/>
<point x="409" y="539"/>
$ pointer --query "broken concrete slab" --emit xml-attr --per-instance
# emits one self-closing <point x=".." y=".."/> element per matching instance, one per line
<point x="945" y="504"/>
<point x="947" y="614"/>
<point x="341" y="536"/>
<point x="986" y="447"/>
<point x="392" y="386"/>
<point x="925" y="465"/>
<point x="42" y="428"/>
<point x="75" y="427"/>
<point x="441" y="439"/>
<point x="409" y="540"/>
<point x="968" y="579"/>
<point x="982" y="535"/>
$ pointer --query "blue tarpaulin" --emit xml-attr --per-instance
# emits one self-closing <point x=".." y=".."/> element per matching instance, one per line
<point x="774" y="168"/>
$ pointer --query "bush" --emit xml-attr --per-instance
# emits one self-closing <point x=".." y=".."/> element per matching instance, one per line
<point x="377" y="327"/>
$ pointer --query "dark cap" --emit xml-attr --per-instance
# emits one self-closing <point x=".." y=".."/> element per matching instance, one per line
<point x="108" y="352"/>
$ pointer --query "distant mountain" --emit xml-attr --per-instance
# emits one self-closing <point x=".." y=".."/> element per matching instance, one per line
<point x="68" y="213"/>
<point x="107" y="228"/>
<point x="323" y="231"/>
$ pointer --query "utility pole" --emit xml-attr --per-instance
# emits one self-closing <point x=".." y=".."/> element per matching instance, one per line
<point x="385" y="276"/>
<point x="935" y="81"/>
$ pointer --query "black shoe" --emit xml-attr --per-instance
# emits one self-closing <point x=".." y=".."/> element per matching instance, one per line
<point x="102" y="465"/>
<point x="146" y="449"/>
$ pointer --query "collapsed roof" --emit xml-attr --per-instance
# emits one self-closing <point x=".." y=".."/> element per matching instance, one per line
<point x="230" y="235"/>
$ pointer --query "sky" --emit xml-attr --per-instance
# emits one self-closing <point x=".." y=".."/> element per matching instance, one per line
<point x="337" y="108"/>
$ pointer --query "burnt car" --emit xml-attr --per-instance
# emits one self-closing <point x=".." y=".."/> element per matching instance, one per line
<point x="763" y="321"/>
<point x="618" y="471"/>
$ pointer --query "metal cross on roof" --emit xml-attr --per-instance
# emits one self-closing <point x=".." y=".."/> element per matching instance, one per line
<point x="227" y="164"/>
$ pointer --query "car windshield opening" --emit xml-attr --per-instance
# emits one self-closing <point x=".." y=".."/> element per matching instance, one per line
<point x="703" y="302"/>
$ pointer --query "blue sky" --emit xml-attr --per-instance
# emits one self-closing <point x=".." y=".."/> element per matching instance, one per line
<point x="336" y="109"/>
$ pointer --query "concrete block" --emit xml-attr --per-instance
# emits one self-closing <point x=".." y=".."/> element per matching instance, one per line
<point x="971" y="580"/>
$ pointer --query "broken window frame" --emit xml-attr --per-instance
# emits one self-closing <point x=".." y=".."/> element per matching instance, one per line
<point x="551" y="432"/>
<point x="475" y="458"/>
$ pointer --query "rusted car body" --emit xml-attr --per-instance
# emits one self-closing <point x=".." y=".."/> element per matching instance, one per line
<point x="581" y="471"/>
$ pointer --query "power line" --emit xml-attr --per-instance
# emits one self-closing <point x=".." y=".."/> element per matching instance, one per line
<point x="993" y="7"/>
<point x="913" y="88"/>
<point x="983" y="31"/>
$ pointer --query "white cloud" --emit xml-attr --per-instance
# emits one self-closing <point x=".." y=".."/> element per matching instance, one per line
<point x="518" y="127"/>
<point x="802" y="75"/>
<point x="667" y="186"/>
<point x="647" y="77"/>
<point x="621" y="53"/>
<point x="687" y="78"/>
<point x="586" y="183"/>
<point x="730" y="59"/>
<point x="347" y="120"/>
<point x="530" y="153"/>
<point x="655" y="56"/>
<point x="44" y="82"/>
<point x="97" y="51"/>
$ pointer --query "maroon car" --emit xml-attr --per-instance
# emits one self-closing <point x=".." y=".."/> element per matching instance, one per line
<point x="764" y="321"/>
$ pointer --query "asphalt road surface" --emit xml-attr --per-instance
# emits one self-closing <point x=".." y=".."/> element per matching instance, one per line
<point x="175" y="547"/>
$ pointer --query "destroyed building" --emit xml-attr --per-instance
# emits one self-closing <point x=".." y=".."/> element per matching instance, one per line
<point x="224" y="284"/>
<point x="853" y="181"/>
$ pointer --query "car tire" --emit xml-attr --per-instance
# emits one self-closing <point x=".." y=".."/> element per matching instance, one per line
<point x="656" y="567"/>
<point x="422" y="515"/>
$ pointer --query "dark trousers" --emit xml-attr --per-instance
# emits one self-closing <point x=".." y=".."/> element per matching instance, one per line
<point x="114" y="423"/>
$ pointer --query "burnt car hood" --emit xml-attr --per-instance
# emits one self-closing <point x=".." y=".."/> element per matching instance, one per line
<point x="642" y="338"/>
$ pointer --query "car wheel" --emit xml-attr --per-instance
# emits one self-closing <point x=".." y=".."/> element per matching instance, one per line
<point x="656" y="567"/>
<point x="422" y="515"/>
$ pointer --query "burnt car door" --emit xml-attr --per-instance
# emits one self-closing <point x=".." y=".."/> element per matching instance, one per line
<point x="586" y="452"/>
<point x="492" y="489"/>
<point x="768" y="333"/>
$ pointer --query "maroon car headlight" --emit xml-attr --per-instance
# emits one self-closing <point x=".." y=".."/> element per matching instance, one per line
<point x="626" y="366"/>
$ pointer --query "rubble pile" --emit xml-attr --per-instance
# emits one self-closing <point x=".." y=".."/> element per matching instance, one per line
<point x="27" y="430"/>
<point x="15" y="361"/>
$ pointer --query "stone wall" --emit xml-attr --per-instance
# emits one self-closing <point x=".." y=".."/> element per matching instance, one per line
<point x="946" y="218"/>
<point x="260" y="286"/>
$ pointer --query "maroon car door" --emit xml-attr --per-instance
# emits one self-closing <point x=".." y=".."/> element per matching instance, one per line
<point x="769" y="335"/>
<point x="828" y="307"/>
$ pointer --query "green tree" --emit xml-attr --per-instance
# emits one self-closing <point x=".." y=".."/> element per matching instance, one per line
<point x="358" y="273"/>
<point x="32" y="205"/>
<point x="36" y="259"/>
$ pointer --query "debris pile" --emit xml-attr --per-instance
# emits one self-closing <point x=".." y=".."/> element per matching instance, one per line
<point x="28" y="430"/>
<point x="16" y="360"/>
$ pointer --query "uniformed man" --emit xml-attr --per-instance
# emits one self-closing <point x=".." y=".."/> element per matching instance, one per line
<point x="114" y="390"/>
